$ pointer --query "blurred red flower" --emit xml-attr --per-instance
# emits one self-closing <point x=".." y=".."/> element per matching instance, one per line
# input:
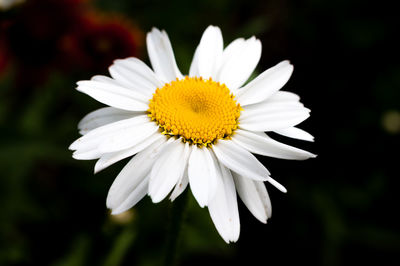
<point x="66" y="35"/>
<point x="100" y="39"/>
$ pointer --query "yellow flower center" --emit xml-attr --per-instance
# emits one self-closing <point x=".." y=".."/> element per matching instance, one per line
<point x="198" y="110"/>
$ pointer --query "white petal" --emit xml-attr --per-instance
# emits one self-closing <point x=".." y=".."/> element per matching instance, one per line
<point x="264" y="145"/>
<point x="108" y="80"/>
<point x="267" y="116"/>
<point x="194" y="66"/>
<point x="266" y="84"/>
<point x="270" y="107"/>
<point x="121" y="83"/>
<point x="223" y="207"/>
<point x="115" y="136"/>
<point x="239" y="60"/>
<point x="129" y="137"/>
<point x="180" y="186"/>
<point x="134" y="197"/>
<point x="240" y="160"/>
<point x="296" y="133"/>
<point x="130" y="179"/>
<point x="114" y="95"/>
<point x="136" y="75"/>
<point x="167" y="170"/>
<point x="93" y="139"/>
<point x="208" y="54"/>
<point x="162" y="56"/>
<point x="184" y="180"/>
<point x="89" y="154"/>
<point x="113" y="157"/>
<point x="277" y="185"/>
<point x="283" y="96"/>
<point x="255" y="196"/>
<point x="202" y="173"/>
<point x="103" y="116"/>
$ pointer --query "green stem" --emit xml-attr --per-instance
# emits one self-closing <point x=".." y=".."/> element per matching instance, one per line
<point x="177" y="216"/>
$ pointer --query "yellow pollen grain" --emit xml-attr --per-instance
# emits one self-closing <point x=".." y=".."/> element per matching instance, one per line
<point x="201" y="111"/>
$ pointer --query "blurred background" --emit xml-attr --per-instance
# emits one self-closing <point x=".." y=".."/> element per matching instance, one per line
<point x="340" y="209"/>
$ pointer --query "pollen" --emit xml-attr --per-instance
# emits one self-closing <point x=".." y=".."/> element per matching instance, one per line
<point x="201" y="111"/>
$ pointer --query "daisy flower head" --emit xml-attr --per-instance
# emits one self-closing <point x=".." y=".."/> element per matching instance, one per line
<point x="199" y="130"/>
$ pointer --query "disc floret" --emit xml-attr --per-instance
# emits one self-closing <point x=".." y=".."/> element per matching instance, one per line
<point x="201" y="111"/>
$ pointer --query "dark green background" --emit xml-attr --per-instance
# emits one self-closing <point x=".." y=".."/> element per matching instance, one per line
<point x="341" y="208"/>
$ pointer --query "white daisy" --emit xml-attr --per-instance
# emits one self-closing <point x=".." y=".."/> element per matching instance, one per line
<point x="199" y="129"/>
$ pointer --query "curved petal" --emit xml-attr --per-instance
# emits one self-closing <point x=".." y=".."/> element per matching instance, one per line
<point x="272" y="116"/>
<point x="96" y="136"/>
<point x="239" y="60"/>
<point x="202" y="175"/>
<point x="223" y="207"/>
<point x="167" y="170"/>
<point x="184" y="180"/>
<point x="180" y="186"/>
<point x="110" y="158"/>
<point x="108" y="80"/>
<point x="208" y="54"/>
<point x="134" y="197"/>
<point x="240" y="160"/>
<point x="131" y="180"/>
<point x="136" y="75"/>
<point x="295" y="133"/>
<point x="162" y="56"/>
<point x="114" y="95"/>
<point x="283" y="96"/>
<point x="255" y="196"/>
<point x="103" y="116"/>
<point x="115" y="136"/>
<point x="264" y="145"/>
<point x="129" y="137"/>
<point x="89" y="154"/>
<point x="243" y="162"/>
<point x="266" y="84"/>
<point x="194" y="66"/>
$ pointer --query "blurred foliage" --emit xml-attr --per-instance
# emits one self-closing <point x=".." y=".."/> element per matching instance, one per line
<point x="341" y="206"/>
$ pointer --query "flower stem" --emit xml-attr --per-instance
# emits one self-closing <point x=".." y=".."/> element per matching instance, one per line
<point x="177" y="216"/>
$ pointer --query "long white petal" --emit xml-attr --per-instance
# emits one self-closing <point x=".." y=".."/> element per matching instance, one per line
<point x="113" y="157"/>
<point x="132" y="176"/>
<point x="194" y="66"/>
<point x="88" y="154"/>
<point x="266" y="84"/>
<point x="111" y="81"/>
<point x="264" y="145"/>
<point x="167" y="170"/>
<point x="136" y="75"/>
<point x="202" y="175"/>
<point x="180" y="186"/>
<point x="134" y="197"/>
<point x="271" y="107"/>
<point x="103" y="116"/>
<point x="295" y="133"/>
<point x="269" y="117"/>
<point x="129" y="137"/>
<point x="255" y="196"/>
<point x="208" y="53"/>
<point x="239" y="60"/>
<point x="240" y="160"/>
<point x="112" y="137"/>
<point x="184" y="180"/>
<point x="162" y="56"/>
<point x="283" y="96"/>
<point x="96" y="136"/>
<point x="114" y="95"/>
<point x="223" y="207"/>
